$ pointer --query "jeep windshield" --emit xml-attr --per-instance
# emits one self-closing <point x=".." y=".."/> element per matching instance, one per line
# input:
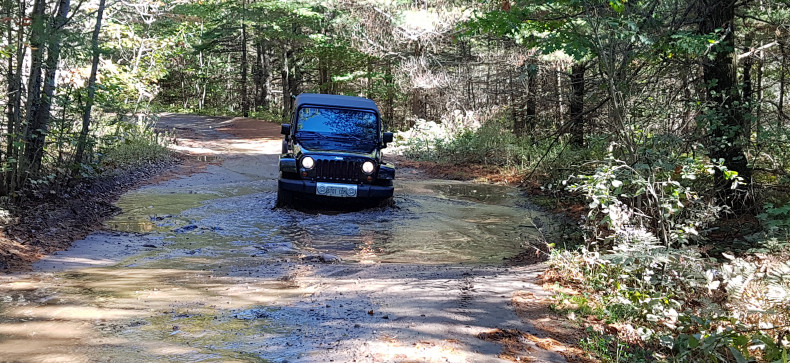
<point x="333" y="129"/>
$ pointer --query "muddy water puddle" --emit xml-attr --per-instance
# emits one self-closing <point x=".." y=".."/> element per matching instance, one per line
<point x="218" y="274"/>
<point x="215" y="273"/>
<point x="203" y="268"/>
<point x="432" y="222"/>
<point x="143" y="314"/>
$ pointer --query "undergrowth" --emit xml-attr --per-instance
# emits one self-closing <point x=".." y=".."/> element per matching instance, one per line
<point x="645" y="271"/>
<point x="132" y="143"/>
<point x="648" y="274"/>
<point x="493" y="144"/>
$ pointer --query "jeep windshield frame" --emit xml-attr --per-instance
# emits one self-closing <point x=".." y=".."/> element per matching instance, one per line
<point x="329" y="128"/>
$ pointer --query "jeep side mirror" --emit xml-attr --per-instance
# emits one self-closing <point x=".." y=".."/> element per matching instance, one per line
<point x="388" y="137"/>
<point x="285" y="129"/>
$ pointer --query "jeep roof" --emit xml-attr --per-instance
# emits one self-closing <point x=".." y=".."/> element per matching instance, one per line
<point x="315" y="99"/>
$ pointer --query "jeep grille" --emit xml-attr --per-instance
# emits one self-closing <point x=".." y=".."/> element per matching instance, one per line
<point x="337" y="170"/>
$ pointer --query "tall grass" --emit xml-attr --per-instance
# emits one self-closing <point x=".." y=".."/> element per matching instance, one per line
<point x="133" y="143"/>
<point x="493" y="144"/>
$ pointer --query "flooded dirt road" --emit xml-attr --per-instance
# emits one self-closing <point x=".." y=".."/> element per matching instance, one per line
<point x="202" y="268"/>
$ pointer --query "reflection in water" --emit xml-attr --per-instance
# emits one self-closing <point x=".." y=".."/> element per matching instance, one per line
<point x="433" y="222"/>
<point x="120" y="314"/>
<point x="216" y="263"/>
<point x="485" y="193"/>
<point x="424" y="227"/>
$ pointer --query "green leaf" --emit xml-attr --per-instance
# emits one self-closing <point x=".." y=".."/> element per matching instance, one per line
<point x="738" y="355"/>
<point x="693" y="341"/>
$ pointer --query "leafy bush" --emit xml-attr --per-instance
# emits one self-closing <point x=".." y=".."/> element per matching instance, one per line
<point x="776" y="220"/>
<point x="689" y="308"/>
<point x="132" y="144"/>
<point x="646" y="201"/>
<point x="640" y="270"/>
<point x="489" y="143"/>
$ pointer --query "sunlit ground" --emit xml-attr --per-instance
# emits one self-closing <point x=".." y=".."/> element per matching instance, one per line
<point x="131" y="314"/>
<point x="232" y="287"/>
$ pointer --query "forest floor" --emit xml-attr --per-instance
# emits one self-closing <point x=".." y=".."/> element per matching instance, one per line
<point x="198" y="262"/>
<point x="48" y="220"/>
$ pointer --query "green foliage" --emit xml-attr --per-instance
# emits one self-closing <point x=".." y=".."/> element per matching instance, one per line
<point x="776" y="219"/>
<point x="686" y="307"/>
<point x="656" y="196"/>
<point x="491" y="143"/>
<point x="639" y="270"/>
<point x="611" y="349"/>
<point x="133" y="144"/>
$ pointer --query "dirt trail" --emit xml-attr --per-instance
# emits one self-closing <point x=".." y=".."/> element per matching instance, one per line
<point x="202" y="268"/>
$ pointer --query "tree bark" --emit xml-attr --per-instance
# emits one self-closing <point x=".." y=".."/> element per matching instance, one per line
<point x="323" y="74"/>
<point x="286" y="77"/>
<point x="261" y="75"/>
<point x="40" y="120"/>
<point x="15" y="103"/>
<point x="245" y="103"/>
<point x="389" y="104"/>
<point x="11" y="89"/>
<point x="747" y="88"/>
<point x="782" y="81"/>
<point x="727" y="122"/>
<point x="576" y="104"/>
<point x="86" y="114"/>
<point x="532" y="90"/>
<point x="266" y="71"/>
<point x="37" y="37"/>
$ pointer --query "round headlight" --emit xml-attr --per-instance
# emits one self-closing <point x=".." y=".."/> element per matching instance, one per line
<point x="368" y="167"/>
<point x="308" y="162"/>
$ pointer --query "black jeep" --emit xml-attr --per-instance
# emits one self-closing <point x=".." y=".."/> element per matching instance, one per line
<point x="332" y="149"/>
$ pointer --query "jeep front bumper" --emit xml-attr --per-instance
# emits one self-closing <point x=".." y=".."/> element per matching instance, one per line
<point x="308" y="187"/>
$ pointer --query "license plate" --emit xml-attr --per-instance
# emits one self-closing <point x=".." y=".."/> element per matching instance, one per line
<point x="336" y="190"/>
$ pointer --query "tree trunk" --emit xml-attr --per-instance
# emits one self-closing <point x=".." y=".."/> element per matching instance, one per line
<point x="369" y="75"/>
<point x="35" y="150"/>
<point x="757" y="106"/>
<point x="782" y="81"/>
<point x="747" y="90"/>
<point x="416" y="103"/>
<point x="560" y="112"/>
<point x="389" y="104"/>
<point x="524" y="107"/>
<point x="576" y="104"/>
<point x="15" y="104"/>
<point x="86" y="113"/>
<point x="323" y="74"/>
<point x="266" y="69"/>
<point x="532" y="91"/>
<point x="727" y="122"/>
<point x="257" y="76"/>
<point x="201" y="93"/>
<point x="11" y="89"/>
<point x="285" y="75"/>
<point x="245" y="103"/>
<point x="37" y="37"/>
<point x="294" y="78"/>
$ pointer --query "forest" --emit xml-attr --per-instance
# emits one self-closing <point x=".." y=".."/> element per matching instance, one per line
<point x="666" y="121"/>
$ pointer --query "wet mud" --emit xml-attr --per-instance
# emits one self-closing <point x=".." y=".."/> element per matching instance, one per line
<point x="204" y="268"/>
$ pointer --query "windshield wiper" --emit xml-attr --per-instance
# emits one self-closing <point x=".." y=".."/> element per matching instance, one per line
<point x="308" y="134"/>
<point x="349" y="137"/>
